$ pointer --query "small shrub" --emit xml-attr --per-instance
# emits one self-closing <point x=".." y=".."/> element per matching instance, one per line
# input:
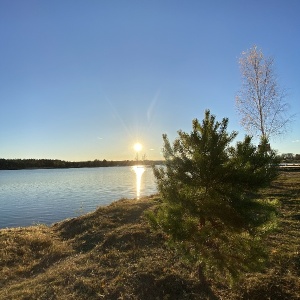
<point x="209" y="210"/>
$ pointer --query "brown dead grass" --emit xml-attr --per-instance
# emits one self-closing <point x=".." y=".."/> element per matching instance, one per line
<point x="281" y="279"/>
<point x="113" y="254"/>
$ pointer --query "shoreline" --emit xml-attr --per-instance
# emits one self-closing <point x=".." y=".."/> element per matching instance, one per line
<point x="24" y="164"/>
<point x="112" y="253"/>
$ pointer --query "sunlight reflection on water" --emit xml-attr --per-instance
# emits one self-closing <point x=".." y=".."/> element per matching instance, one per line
<point x="139" y="171"/>
<point x="51" y="195"/>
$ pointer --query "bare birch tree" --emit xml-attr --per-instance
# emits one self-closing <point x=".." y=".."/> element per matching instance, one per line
<point x="260" y="102"/>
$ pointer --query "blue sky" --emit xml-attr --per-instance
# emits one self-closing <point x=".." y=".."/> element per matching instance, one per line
<point x="85" y="80"/>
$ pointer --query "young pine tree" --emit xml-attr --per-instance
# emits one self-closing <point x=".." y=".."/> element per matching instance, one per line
<point x="209" y="211"/>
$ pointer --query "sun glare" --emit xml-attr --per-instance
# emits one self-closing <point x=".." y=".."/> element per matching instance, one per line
<point x="137" y="147"/>
<point x="139" y="170"/>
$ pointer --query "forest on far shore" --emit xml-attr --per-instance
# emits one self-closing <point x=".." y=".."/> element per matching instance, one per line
<point x="31" y="163"/>
<point x="18" y="164"/>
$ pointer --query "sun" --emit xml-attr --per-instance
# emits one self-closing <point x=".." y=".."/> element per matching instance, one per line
<point x="137" y="147"/>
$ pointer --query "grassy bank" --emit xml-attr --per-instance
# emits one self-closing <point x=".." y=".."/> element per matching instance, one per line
<point x="113" y="254"/>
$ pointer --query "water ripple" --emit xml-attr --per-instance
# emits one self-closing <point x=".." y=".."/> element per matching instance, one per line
<point x="46" y="196"/>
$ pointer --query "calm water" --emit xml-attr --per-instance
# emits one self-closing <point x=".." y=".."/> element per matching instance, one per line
<point x="46" y="196"/>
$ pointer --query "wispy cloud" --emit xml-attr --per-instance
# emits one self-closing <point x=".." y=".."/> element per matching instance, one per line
<point x="152" y="106"/>
<point x="296" y="141"/>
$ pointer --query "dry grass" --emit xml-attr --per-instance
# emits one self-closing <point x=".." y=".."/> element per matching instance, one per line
<point x="281" y="279"/>
<point x="113" y="254"/>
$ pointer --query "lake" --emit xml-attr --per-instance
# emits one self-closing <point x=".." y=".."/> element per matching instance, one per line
<point x="29" y="197"/>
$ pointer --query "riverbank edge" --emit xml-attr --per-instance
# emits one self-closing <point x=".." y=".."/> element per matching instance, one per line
<point x="36" y="164"/>
<point x="112" y="253"/>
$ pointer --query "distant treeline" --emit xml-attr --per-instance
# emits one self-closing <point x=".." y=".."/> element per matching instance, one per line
<point x="290" y="158"/>
<point x="17" y="164"/>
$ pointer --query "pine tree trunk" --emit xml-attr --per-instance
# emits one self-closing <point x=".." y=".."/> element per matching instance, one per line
<point x="201" y="275"/>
